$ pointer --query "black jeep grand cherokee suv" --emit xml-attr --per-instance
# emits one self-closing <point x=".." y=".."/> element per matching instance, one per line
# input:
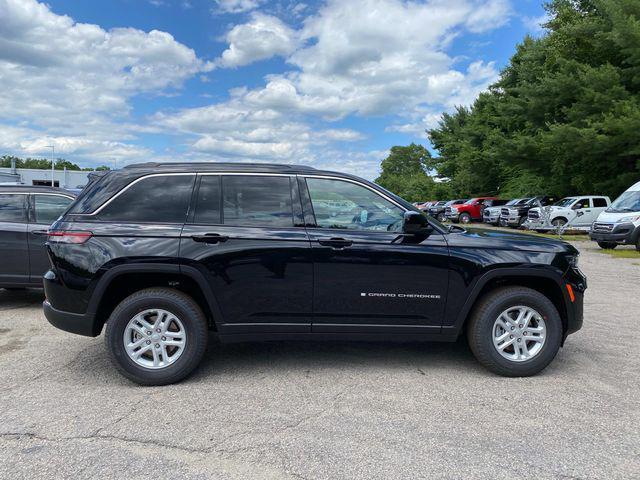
<point x="167" y="254"/>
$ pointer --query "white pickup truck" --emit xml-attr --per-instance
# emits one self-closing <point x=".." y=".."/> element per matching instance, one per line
<point x="573" y="212"/>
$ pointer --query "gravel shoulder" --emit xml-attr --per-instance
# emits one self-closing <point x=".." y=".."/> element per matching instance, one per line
<point x="328" y="410"/>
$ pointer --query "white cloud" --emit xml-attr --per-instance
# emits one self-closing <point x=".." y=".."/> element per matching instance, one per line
<point x="76" y="80"/>
<point x="236" y="6"/>
<point x="356" y="57"/>
<point x="263" y="37"/>
<point x="535" y="24"/>
<point x="390" y="60"/>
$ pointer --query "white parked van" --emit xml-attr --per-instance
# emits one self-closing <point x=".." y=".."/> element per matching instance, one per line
<point x="620" y="223"/>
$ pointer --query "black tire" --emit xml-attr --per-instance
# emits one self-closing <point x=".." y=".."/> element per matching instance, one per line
<point x="638" y="244"/>
<point x="521" y="222"/>
<point x="480" y="331"/>
<point x="559" y="222"/>
<point x="174" y="301"/>
<point x="465" y="218"/>
<point x="607" y="245"/>
<point x="441" y="218"/>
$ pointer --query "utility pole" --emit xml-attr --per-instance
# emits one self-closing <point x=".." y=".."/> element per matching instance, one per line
<point x="53" y="151"/>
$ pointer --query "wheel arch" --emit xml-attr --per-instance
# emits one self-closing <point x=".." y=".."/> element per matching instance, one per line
<point x="545" y="282"/>
<point x="121" y="281"/>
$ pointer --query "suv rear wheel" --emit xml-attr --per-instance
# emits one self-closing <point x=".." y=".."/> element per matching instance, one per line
<point x="607" y="245"/>
<point x="515" y="331"/>
<point x="156" y="336"/>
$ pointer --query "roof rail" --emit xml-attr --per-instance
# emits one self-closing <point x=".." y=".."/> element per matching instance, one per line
<point x="283" y="166"/>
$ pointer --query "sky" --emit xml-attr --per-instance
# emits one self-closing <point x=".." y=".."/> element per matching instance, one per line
<point x="333" y="84"/>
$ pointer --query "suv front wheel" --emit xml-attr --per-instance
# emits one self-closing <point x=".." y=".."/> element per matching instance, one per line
<point x="156" y="336"/>
<point x="515" y="331"/>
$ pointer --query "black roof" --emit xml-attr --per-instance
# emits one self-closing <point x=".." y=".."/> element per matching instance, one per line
<point x="221" y="167"/>
<point x="34" y="189"/>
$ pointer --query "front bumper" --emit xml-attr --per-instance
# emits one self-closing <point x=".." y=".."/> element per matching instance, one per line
<point x="491" y="219"/>
<point x="575" y="309"/>
<point x="511" y="220"/>
<point x="623" y="234"/>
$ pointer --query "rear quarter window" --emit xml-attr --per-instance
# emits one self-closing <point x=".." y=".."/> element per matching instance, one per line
<point x="154" y="199"/>
<point x="13" y="208"/>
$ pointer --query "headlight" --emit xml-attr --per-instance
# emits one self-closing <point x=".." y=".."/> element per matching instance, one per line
<point x="454" y="209"/>
<point x="630" y="218"/>
<point x="573" y="260"/>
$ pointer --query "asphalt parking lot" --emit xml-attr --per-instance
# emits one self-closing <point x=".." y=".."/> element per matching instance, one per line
<point x="344" y="410"/>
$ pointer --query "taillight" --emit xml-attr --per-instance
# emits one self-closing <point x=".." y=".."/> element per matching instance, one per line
<point x="61" y="236"/>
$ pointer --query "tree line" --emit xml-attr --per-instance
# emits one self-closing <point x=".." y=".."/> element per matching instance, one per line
<point x="563" y="118"/>
<point x="43" y="163"/>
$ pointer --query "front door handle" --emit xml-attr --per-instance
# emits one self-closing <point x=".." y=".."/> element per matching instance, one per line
<point x="335" y="242"/>
<point x="210" y="238"/>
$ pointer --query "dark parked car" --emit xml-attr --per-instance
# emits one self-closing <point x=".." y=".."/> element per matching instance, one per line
<point x="438" y="210"/>
<point x="515" y="215"/>
<point x="168" y="254"/>
<point x="25" y="214"/>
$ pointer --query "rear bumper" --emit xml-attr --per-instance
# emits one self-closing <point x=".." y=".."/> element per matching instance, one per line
<point x="78" y="323"/>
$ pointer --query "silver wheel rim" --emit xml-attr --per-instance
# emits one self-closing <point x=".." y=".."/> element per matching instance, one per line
<point x="519" y="333"/>
<point x="154" y="338"/>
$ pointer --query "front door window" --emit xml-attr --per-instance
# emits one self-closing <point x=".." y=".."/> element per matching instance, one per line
<point x="344" y="205"/>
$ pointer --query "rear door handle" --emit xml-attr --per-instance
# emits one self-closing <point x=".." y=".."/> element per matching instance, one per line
<point x="210" y="238"/>
<point x="39" y="232"/>
<point x="335" y="242"/>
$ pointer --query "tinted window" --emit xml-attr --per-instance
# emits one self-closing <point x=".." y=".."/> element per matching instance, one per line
<point x="257" y="201"/>
<point x="12" y="208"/>
<point x="50" y="207"/>
<point x="346" y="205"/>
<point x="162" y="199"/>
<point x="599" y="202"/>
<point x="208" y="201"/>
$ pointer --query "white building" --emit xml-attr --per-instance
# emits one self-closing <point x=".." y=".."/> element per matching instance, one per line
<point x="32" y="176"/>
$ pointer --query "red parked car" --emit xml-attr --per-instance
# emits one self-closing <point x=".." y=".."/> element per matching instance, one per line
<point x="469" y="210"/>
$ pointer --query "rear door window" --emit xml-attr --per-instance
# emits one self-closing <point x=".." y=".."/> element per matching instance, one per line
<point x="599" y="202"/>
<point x="154" y="199"/>
<point x="49" y="207"/>
<point x="13" y="208"/>
<point x="260" y="201"/>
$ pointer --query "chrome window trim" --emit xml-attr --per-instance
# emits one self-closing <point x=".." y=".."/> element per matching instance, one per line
<point x="249" y="174"/>
<point x="39" y="193"/>
<point x="329" y="177"/>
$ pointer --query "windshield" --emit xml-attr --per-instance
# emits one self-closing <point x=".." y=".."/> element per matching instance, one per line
<point x="471" y="201"/>
<point x="533" y="201"/>
<point x="627" y="202"/>
<point x="565" y="202"/>
<point x="515" y="201"/>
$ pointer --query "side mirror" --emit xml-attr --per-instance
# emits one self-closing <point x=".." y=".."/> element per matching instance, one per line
<point x="577" y="206"/>
<point x="415" y="223"/>
<point x="579" y="214"/>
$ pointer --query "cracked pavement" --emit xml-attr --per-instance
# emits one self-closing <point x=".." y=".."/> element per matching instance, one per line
<point x="328" y="410"/>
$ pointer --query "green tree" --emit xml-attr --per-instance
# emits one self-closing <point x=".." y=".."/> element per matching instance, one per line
<point x="563" y="117"/>
<point x="404" y="172"/>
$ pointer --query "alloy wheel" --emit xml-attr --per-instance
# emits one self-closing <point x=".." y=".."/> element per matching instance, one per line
<point x="154" y="338"/>
<point x="519" y="333"/>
